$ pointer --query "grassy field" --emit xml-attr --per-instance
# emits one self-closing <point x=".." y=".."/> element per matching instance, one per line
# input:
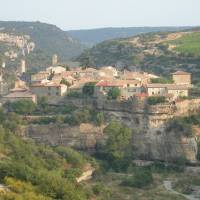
<point x="189" y="44"/>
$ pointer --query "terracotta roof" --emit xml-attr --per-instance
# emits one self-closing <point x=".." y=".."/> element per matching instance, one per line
<point x="181" y="73"/>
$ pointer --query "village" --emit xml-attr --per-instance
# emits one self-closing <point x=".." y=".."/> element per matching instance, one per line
<point x="58" y="82"/>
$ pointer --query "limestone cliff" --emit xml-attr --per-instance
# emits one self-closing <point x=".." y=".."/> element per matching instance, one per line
<point x="151" y="138"/>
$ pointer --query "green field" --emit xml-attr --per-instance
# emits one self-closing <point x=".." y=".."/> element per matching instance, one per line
<point x="189" y="44"/>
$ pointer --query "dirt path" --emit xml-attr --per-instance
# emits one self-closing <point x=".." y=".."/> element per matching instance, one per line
<point x="168" y="187"/>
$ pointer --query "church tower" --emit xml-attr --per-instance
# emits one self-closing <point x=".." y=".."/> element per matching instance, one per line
<point x="22" y="67"/>
<point x="54" y="60"/>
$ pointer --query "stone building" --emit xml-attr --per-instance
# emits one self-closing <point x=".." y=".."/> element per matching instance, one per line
<point x="181" y="77"/>
<point x="174" y="90"/>
<point x="20" y="95"/>
<point x="49" y="89"/>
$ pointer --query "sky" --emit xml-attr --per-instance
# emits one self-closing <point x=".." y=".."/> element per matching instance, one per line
<point x="86" y="14"/>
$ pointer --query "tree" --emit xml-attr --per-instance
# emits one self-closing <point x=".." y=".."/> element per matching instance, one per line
<point x="156" y="100"/>
<point x="22" y="107"/>
<point x="100" y="119"/>
<point x="118" y="145"/>
<point x="65" y="82"/>
<point x="88" y="89"/>
<point x="114" y="93"/>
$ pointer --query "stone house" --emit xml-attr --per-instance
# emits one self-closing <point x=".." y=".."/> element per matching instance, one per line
<point x="39" y="77"/>
<point x="181" y="77"/>
<point x="20" y="95"/>
<point x="173" y="90"/>
<point x="49" y="89"/>
<point x="128" y="88"/>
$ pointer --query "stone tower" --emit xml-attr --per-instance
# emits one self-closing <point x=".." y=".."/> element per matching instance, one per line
<point x="22" y="67"/>
<point x="54" y="60"/>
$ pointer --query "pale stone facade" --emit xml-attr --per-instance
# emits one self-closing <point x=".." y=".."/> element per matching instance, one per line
<point x="181" y="77"/>
<point x="49" y="90"/>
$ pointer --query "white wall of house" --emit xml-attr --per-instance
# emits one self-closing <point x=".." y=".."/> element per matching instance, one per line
<point x="157" y="91"/>
<point x="178" y="93"/>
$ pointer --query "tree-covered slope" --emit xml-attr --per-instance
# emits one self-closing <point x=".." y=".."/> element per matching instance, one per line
<point x="48" y="38"/>
<point x="161" y="53"/>
<point x="93" y="36"/>
<point x="31" y="171"/>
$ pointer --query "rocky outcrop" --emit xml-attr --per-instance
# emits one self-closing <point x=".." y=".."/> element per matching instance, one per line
<point x="83" y="137"/>
<point x="151" y="139"/>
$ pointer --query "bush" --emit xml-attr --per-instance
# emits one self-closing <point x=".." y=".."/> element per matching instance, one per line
<point x="22" y="107"/>
<point x="140" y="179"/>
<point x="88" y="89"/>
<point x="65" y="82"/>
<point x="161" y="80"/>
<point x="114" y="93"/>
<point x="156" y="100"/>
<point x="78" y="117"/>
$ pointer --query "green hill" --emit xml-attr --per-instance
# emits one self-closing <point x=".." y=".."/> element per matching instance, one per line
<point x="189" y="44"/>
<point x="48" y="40"/>
<point x="161" y="53"/>
<point x="91" y="37"/>
<point x="33" y="171"/>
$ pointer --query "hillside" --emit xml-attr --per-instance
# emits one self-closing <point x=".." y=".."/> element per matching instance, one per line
<point x="33" y="171"/>
<point x="161" y="53"/>
<point x="37" y="41"/>
<point x="93" y="36"/>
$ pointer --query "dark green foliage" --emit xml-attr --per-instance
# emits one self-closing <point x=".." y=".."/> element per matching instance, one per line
<point x="100" y="119"/>
<point x="161" y="80"/>
<point x="114" y="93"/>
<point x="141" y="178"/>
<point x="88" y="89"/>
<point x="65" y="82"/>
<point x="117" y="152"/>
<point x="50" y="172"/>
<point x="156" y="100"/>
<point x="78" y="117"/>
<point x="72" y="174"/>
<point x="23" y="107"/>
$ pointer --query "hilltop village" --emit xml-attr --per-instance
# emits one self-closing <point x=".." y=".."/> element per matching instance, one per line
<point x="58" y="82"/>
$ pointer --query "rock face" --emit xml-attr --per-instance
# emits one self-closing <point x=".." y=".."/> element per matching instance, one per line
<point x="84" y="137"/>
<point x="151" y="139"/>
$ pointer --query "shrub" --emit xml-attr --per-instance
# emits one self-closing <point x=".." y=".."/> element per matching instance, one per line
<point x="21" y="107"/>
<point x="114" y="93"/>
<point x="88" y="89"/>
<point x="156" y="100"/>
<point x="161" y="80"/>
<point x="140" y="179"/>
